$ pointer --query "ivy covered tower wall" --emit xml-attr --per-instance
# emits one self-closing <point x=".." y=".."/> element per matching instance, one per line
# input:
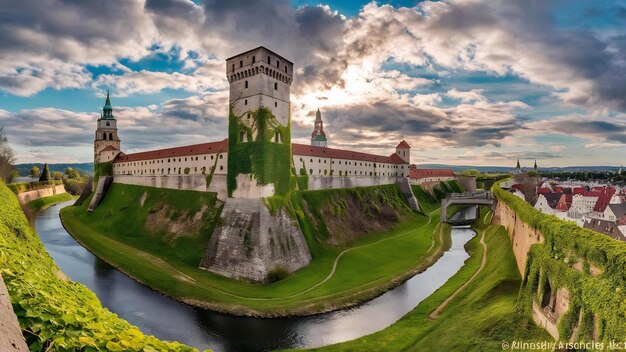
<point x="259" y="130"/>
<point x="251" y="242"/>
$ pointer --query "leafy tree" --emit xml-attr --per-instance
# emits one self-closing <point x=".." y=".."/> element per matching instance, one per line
<point x="471" y="172"/>
<point x="34" y="171"/>
<point x="7" y="159"/>
<point x="45" y="175"/>
<point x="73" y="174"/>
<point x="533" y="173"/>
<point x="57" y="175"/>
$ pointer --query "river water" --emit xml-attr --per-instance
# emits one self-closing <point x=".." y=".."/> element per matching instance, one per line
<point x="168" y="319"/>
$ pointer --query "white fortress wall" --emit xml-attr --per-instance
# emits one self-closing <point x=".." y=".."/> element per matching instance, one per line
<point x="193" y="182"/>
<point x="317" y="182"/>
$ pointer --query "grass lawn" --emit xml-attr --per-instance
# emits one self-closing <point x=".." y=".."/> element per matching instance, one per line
<point x="366" y="268"/>
<point x="40" y="204"/>
<point x="480" y="318"/>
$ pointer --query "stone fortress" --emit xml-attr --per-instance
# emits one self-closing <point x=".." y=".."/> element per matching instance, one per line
<point x="257" y="160"/>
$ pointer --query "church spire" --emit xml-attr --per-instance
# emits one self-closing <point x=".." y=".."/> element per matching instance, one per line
<point x="518" y="166"/>
<point x="107" y="109"/>
<point x="318" y="137"/>
<point x="535" y="167"/>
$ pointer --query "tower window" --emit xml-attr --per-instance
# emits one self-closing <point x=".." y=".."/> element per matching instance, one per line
<point x="240" y="63"/>
<point x="269" y="60"/>
<point x="242" y="136"/>
<point x="253" y="59"/>
<point x="246" y="84"/>
<point x="104" y="136"/>
<point x="233" y="67"/>
<point x="108" y="123"/>
<point x="245" y="102"/>
<point x="110" y="136"/>
<point x="275" y="86"/>
<point x="285" y="69"/>
<point x="275" y="104"/>
<point x="277" y="64"/>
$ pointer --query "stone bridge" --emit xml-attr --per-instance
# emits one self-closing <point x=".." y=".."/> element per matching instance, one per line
<point x="467" y="198"/>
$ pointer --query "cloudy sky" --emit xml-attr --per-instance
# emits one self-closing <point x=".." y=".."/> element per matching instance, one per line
<point x="479" y="82"/>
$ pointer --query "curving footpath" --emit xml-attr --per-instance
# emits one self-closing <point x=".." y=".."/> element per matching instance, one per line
<point x="483" y="263"/>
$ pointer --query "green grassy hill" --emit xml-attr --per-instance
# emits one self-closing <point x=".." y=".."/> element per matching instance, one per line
<point x="171" y="224"/>
<point x="480" y="318"/>
<point x="346" y="230"/>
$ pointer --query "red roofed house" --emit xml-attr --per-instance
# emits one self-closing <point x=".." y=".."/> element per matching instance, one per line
<point x="420" y="176"/>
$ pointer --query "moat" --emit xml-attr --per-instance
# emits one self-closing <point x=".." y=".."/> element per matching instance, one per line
<point x="168" y="319"/>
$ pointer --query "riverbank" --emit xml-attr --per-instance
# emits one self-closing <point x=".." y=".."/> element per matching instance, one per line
<point x="52" y="310"/>
<point x="338" y="277"/>
<point x="309" y="291"/>
<point x="481" y="316"/>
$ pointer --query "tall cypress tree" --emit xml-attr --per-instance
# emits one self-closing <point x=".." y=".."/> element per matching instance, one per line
<point x="45" y="174"/>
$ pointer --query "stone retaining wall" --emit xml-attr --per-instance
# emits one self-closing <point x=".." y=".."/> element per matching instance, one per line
<point x="29" y="196"/>
<point x="11" y="339"/>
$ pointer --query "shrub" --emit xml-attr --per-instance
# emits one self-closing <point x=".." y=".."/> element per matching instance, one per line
<point x="21" y="187"/>
<point x="277" y="274"/>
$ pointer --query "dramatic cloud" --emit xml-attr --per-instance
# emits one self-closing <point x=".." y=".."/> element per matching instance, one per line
<point x="385" y="73"/>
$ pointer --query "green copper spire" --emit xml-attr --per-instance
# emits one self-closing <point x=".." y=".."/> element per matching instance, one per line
<point x="107" y="110"/>
<point x="318" y="115"/>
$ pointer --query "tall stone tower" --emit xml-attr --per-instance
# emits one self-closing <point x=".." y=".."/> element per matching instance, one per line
<point x="318" y="137"/>
<point x="250" y="242"/>
<point x="107" y="143"/>
<point x="403" y="149"/>
<point x="259" y="129"/>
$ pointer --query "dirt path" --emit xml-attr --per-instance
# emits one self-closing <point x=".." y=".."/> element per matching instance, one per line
<point x="483" y="263"/>
<point x="332" y="272"/>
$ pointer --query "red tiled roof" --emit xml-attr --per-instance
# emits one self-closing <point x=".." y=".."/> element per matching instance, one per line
<point x="222" y="146"/>
<point x="110" y="147"/>
<point x="423" y="173"/>
<point x="544" y="190"/>
<point x="403" y="144"/>
<point x="205" y="148"/>
<point x="565" y="202"/>
<point x="602" y="202"/>
<point x="324" y="152"/>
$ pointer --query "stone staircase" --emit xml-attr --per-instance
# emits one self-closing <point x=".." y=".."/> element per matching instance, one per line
<point x="104" y="182"/>
<point x="407" y="191"/>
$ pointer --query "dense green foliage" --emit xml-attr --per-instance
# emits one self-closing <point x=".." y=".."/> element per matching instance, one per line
<point x="429" y="200"/>
<point x="486" y="181"/>
<point x="102" y="169"/>
<point x="40" y="204"/>
<point x="21" y="187"/>
<point x="307" y="290"/>
<point x="553" y="262"/>
<point x="56" y="314"/>
<point x="268" y="161"/>
<point x="479" y="318"/>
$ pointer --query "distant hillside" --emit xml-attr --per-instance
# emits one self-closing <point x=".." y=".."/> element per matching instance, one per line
<point x="24" y="169"/>
<point x="496" y="169"/>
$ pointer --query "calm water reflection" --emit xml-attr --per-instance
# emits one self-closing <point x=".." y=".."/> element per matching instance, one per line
<point x="167" y="319"/>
